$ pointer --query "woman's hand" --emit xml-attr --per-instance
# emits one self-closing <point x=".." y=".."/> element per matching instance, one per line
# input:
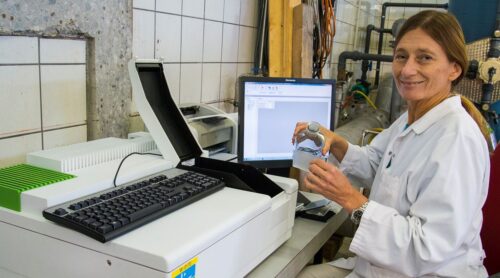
<point x="330" y="182"/>
<point x="333" y="142"/>
<point x="329" y="135"/>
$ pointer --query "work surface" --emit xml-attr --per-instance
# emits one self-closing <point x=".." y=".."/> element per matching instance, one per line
<point x="308" y="236"/>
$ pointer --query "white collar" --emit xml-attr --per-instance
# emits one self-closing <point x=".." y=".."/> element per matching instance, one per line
<point x="447" y="106"/>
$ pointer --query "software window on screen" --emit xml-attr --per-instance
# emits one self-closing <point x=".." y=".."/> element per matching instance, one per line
<point x="272" y="110"/>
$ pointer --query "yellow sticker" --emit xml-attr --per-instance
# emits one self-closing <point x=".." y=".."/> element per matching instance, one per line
<point x="187" y="270"/>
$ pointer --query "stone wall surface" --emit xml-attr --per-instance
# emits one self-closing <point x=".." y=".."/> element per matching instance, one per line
<point x="107" y="26"/>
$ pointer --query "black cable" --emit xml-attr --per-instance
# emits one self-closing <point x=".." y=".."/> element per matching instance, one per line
<point x="316" y="50"/>
<point x="119" y="166"/>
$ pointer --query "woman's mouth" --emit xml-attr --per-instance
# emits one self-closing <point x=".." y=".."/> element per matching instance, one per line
<point x="411" y="83"/>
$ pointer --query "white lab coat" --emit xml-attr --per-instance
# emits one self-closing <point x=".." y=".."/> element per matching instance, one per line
<point x="424" y="215"/>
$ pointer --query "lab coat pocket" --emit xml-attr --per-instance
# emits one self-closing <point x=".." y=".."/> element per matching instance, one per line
<point x="390" y="189"/>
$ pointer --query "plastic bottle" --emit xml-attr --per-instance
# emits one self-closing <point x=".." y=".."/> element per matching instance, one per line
<point x="308" y="146"/>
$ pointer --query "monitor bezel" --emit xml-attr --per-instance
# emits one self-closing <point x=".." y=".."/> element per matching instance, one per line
<point x="276" y="163"/>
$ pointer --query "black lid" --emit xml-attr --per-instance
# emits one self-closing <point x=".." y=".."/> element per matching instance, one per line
<point x="170" y="118"/>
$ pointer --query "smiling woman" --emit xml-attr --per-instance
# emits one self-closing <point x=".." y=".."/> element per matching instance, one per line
<point x="429" y="59"/>
<point x="424" y="72"/>
<point x="429" y="169"/>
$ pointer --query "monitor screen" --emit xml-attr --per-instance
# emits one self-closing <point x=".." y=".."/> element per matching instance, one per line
<point x="268" y="111"/>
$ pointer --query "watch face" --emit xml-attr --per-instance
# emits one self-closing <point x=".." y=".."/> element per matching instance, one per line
<point x="358" y="214"/>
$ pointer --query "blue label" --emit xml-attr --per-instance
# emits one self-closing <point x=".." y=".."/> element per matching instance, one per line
<point x="188" y="273"/>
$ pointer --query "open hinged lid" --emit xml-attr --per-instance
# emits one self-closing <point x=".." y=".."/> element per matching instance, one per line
<point x="159" y="112"/>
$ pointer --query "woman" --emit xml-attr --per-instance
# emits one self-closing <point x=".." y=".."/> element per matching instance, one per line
<point x="429" y="169"/>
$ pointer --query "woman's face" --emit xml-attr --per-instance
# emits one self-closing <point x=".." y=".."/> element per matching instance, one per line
<point x="421" y="68"/>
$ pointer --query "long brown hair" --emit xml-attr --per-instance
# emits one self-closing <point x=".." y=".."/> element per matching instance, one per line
<point x="470" y="107"/>
<point x="445" y="29"/>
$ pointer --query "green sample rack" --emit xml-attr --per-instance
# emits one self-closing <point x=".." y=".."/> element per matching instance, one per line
<point x="16" y="179"/>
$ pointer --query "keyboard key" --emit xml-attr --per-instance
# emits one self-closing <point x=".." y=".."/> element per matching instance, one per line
<point x="105" y="228"/>
<point x="88" y="221"/>
<point x="75" y="206"/>
<point x="60" y="211"/>
<point x="124" y="221"/>
<point x="144" y="212"/>
<point x="94" y="225"/>
<point x="80" y="218"/>
<point x="116" y="224"/>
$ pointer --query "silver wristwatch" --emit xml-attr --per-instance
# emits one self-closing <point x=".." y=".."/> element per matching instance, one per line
<point x="358" y="213"/>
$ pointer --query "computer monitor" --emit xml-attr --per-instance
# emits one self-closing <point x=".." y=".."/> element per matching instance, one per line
<point x="268" y="110"/>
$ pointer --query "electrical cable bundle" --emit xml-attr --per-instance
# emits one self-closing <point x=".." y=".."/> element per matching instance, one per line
<point x="323" y="33"/>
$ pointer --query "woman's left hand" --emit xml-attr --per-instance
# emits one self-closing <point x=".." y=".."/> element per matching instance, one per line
<point x="328" y="180"/>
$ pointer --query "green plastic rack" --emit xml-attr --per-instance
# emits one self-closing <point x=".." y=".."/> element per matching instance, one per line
<point x="16" y="179"/>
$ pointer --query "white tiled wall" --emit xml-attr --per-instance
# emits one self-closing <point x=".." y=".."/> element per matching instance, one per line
<point x="42" y="95"/>
<point x="20" y="100"/>
<point x="351" y="31"/>
<point x="63" y="95"/>
<point x="168" y="44"/>
<point x="204" y="44"/>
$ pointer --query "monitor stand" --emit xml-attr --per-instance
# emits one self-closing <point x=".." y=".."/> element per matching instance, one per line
<point x="282" y="172"/>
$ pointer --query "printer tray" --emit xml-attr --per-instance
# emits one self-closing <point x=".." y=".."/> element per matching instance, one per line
<point x="236" y="175"/>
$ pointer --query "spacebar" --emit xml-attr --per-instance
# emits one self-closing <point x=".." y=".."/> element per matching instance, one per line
<point x="144" y="212"/>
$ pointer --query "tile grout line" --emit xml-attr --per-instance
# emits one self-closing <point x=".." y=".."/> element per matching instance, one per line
<point x="221" y="51"/>
<point x="44" y="64"/>
<point x="231" y="62"/>
<point x="180" y="58"/>
<point x="189" y="16"/>
<point x="202" y="49"/>
<point x="47" y="130"/>
<point x="154" y="33"/>
<point x="40" y="92"/>
<point x="237" y="55"/>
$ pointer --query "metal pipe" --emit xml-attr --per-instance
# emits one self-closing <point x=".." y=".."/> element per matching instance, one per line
<point x="498" y="18"/>
<point x="382" y="22"/>
<point x="356" y="55"/>
<point x="369" y="29"/>
<point x="494" y="51"/>
<point x="261" y="35"/>
<point x="493" y="54"/>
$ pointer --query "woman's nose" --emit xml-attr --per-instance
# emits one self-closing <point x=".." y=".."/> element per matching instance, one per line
<point x="409" y="68"/>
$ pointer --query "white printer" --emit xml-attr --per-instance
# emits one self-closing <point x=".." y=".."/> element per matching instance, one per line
<point x="215" y="130"/>
<point x="225" y="234"/>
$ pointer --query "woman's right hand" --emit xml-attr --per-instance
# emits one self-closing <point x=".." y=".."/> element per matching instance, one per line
<point x="328" y="134"/>
<point x="334" y="143"/>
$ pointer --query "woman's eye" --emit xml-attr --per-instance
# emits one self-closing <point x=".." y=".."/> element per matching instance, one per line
<point x="399" y="57"/>
<point x="425" y="58"/>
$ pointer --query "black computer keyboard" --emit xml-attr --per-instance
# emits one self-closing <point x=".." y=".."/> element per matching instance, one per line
<point x="114" y="212"/>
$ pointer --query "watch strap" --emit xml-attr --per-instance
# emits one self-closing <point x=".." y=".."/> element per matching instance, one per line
<point x="357" y="214"/>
